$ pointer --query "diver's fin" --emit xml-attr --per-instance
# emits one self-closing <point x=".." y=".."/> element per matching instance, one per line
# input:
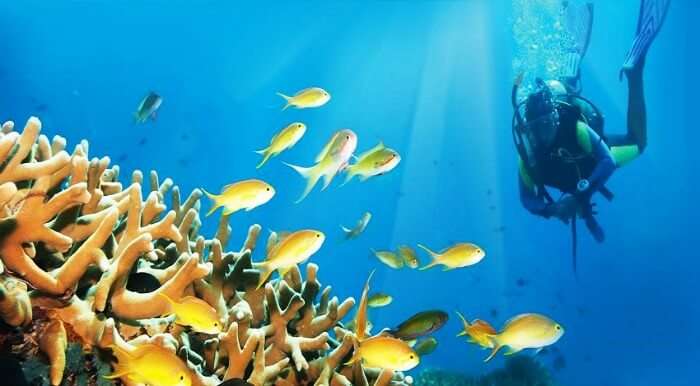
<point x="652" y="14"/>
<point x="579" y="21"/>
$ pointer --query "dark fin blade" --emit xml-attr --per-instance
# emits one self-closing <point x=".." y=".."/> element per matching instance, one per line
<point x="652" y="14"/>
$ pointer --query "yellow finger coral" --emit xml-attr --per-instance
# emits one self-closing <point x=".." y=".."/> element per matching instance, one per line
<point x="74" y="238"/>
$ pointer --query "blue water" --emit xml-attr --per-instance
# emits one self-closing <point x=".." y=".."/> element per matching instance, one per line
<point x="432" y="80"/>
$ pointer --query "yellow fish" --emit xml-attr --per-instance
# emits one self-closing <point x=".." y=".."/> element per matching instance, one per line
<point x="246" y="194"/>
<point x="379" y="300"/>
<point x="389" y="258"/>
<point x="359" y="227"/>
<point x="376" y="161"/>
<point x="282" y="141"/>
<point x="526" y="331"/>
<point x="308" y="97"/>
<point x="478" y="331"/>
<point x="152" y="365"/>
<point x="196" y="313"/>
<point x="332" y="159"/>
<point x="379" y="351"/>
<point x="409" y="256"/>
<point x="294" y="249"/>
<point x="457" y="256"/>
<point x="386" y="352"/>
<point x="361" y="322"/>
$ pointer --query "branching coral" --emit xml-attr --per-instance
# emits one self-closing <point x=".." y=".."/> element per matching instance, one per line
<point x="72" y="237"/>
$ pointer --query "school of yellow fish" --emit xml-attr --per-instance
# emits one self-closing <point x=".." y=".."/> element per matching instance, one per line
<point x="392" y="349"/>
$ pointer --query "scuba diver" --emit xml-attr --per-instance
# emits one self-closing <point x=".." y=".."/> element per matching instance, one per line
<point x="559" y="134"/>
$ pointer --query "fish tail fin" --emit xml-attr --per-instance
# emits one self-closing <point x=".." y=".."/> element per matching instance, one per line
<point x="432" y="254"/>
<point x="311" y="175"/>
<point x="496" y="347"/>
<point x="215" y="202"/>
<point x="266" y="156"/>
<point x="287" y="99"/>
<point x="347" y="231"/>
<point x="465" y="324"/>
<point x="121" y="368"/>
<point x="265" y="273"/>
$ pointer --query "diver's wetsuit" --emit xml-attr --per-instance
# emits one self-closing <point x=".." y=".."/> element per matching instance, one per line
<point x="601" y="167"/>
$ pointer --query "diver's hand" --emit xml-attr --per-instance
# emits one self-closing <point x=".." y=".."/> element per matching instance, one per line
<point x="565" y="208"/>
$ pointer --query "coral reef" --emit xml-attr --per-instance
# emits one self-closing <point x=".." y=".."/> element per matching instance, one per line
<point x="72" y="240"/>
<point x="518" y="371"/>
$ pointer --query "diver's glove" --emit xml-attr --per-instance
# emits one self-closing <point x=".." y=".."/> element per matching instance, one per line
<point x="564" y="209"/>
<point x="594" y="228"/>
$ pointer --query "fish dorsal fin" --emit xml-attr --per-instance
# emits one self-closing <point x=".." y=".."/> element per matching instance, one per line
<point x="514" y="319"/>
<point x="304" y="91"/>
<point x="281" y="238"/>
<point x="326" y="148"/>
<point x="380" y="146"/>
<point x="227" y="187"/>
<point x="272" y="241"/>
<point x="361" y="317"/>
<point x="485" y="326"/>
<point x="465" y="322"/>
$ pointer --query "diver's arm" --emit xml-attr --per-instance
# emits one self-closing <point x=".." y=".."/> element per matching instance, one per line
<point x="531" y="201"/>
<point x="605" y="164"/>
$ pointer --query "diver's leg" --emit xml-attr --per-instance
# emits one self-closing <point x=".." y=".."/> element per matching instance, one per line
<point x="652" y="14"/>
<point x="636" y="106"/>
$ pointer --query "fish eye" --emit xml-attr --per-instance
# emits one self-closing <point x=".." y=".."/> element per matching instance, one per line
<point x="182" y="377"/>
<point x="558" y="327"/>
<point x="411" y="357"/>
<point x="347" y="137"/>
<point x="318" y="235"/>
<point x="216" y="324"/>
<point x="268" y="189"/>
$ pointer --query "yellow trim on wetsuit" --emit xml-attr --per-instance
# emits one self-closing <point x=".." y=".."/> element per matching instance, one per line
<point x="624" y="154"/>
<point x="583" y="138"/>
<point x="524" y="176"/>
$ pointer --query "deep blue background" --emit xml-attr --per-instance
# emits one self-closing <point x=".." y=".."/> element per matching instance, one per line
<point x="432" y="80"/>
